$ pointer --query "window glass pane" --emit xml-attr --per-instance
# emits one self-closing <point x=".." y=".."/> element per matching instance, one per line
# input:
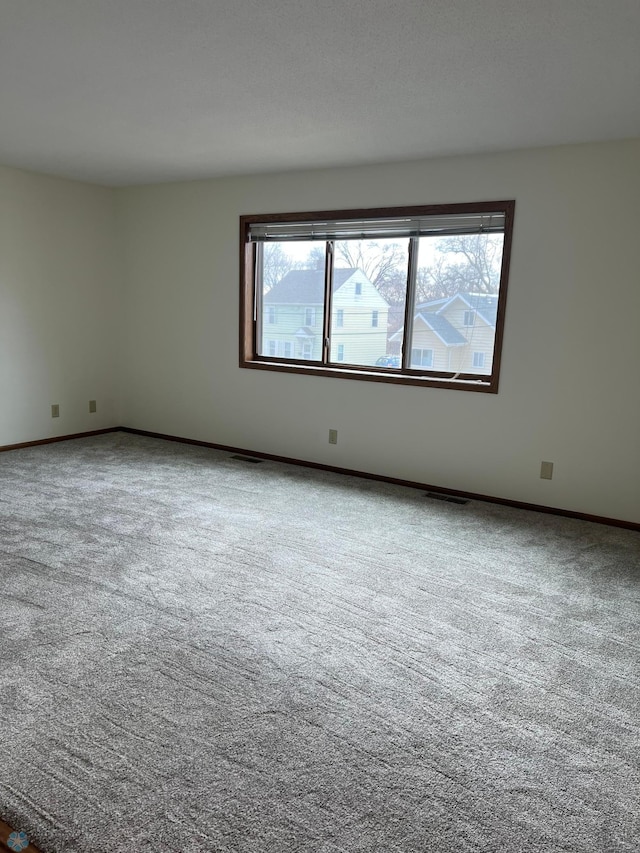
<point x="369" y="292"/>
<point x="457" y="288"/>
<point x="292" y="303"/>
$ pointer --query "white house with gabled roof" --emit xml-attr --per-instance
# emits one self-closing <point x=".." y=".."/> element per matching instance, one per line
<point x="455" y="333"/>
<point x="293" y="311"/>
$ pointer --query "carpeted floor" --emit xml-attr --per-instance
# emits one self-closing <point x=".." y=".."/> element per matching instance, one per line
<point x="203" y="654"/>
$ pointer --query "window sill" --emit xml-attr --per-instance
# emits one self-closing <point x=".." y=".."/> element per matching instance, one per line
<point x="391" y="377"/>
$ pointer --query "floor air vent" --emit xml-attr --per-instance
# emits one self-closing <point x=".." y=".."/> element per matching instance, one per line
<point x="246" y="459"/>
<point x="450" y="499"/>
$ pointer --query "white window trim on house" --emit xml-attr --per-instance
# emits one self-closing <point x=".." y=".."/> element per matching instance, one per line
<point x="279" y="349"/>
<point x="422" y="361"/>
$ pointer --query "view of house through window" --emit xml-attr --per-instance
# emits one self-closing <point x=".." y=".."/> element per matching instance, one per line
<point x="324" y="300"/>
<point x="456" y="303"/>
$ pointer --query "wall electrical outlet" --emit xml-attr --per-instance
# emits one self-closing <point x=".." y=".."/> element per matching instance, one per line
<point x="92" y="407"/>
<point x="55" y="410"/>
<point x="333" y="436"/>
<point x="546" y="470"/>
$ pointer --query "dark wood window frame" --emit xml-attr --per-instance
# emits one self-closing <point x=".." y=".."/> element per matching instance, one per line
<point x="405" y="375"/>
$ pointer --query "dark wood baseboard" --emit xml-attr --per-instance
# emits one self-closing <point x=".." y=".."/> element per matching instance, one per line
<point x="58" y="438"/>
<point x="5" y="833"/>
<point x="567" y="513"/>
<point x="429" y="487"/>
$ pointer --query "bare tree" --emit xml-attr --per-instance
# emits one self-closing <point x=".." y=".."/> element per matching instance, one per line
<point x="385" y="265"/>
<point x="276" y="264"/>
<point x="380" y="263"/>
<point x="476" y="271"/>
<point x="316" y="257"/>
<point x="463" y="264"/>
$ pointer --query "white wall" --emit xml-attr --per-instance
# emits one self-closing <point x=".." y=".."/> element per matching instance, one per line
<point x="60" y="307"/>
<point x="136" y="290"/>
<point x="569" y="384"/>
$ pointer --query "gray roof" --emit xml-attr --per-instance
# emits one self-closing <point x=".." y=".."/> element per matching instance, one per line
<point x="305" y="287"/>
<point x="442" y="327"/>
<point x="486" y="304"/>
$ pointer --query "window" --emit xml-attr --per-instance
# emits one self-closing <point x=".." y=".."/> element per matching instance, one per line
<point x="421" y="358"/>
<point x="279" y="348"/>
<point x="428" y="284"/>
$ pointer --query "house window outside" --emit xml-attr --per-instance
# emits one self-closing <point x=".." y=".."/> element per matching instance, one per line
<point x="279" y="349"/>
<point x="421" y="358"/>
<point x="414" y="314"/>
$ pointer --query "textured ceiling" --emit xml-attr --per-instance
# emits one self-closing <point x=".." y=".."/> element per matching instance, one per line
<point x="138" y="91"/>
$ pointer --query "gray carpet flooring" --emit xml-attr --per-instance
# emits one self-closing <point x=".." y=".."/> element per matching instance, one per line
<point x="203" y="654"/>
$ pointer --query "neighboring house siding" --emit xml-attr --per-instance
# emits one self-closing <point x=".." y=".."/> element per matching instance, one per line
<point x="426" y="339"/>
<point x="289" y="319"/>
<point x="363" y="342"/>
<point x="459" y="346"/>
<point x="481" y="338"/>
